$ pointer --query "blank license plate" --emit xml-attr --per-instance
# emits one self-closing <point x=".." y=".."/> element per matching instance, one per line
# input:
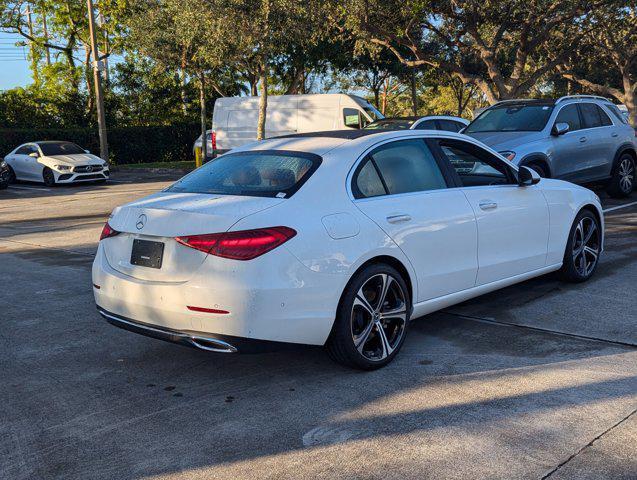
<point x="147" y="254"/>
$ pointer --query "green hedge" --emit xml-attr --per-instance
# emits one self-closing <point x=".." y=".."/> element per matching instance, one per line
<point x="126" y="144"/>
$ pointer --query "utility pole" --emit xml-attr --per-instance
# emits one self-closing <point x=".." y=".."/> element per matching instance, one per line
<point x="34" y="59"/>
<point x="97" y="79"/>
<point x="46" y="37"/>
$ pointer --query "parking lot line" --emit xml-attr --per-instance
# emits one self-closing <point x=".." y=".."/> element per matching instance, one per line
<point x="606" y="210"/>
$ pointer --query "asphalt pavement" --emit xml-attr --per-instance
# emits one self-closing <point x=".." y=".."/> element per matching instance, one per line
<point x="535" y="381"/>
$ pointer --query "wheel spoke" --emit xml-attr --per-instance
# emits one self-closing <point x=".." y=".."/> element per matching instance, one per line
<point x="386" y="279"/>
<point x="591" y="251"/>
<point x="384" y="342"/>
<point x="590" y="233"/>
<point x="361" y="340"/>
<point x="361" y="301"/>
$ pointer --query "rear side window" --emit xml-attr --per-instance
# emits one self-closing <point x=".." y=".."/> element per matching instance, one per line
<point x="593" y="116"/>
<point x="570" y="115"/>
<point x="426" y="125"/>
<point x="266" y="173"/>
<point x="616" y="112"/>
<point x="450" y="125"/>
<point x="368" y="182"/>
<point x="407" y="166"/>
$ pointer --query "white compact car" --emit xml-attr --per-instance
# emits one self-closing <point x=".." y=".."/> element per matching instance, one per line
<point x="337" y="239"/>
<point x="55" y="162"/>
<point x="430" y="122"/>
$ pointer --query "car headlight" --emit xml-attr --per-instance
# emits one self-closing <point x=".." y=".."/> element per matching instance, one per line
<point x="509" y="155"/>
<point x="62" y="168"/>
<point x="3" y="164"/>
<point x="105" y="165"/>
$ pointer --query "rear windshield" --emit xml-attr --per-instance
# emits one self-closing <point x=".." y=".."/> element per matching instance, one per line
<point x="390" y="124"/>
<point x="265" y="173"/>
<point x="60" y="148"/>
<point x="511" y="118"/>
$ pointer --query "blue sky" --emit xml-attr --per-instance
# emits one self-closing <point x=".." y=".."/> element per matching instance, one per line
<point x="14" y="67"/>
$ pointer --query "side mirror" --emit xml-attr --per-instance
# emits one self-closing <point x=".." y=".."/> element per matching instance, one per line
<point x="560" y="128"/>
<point x="34" y="154"/>
<point x="87" y="151"/>
<point x="527" y="177"/>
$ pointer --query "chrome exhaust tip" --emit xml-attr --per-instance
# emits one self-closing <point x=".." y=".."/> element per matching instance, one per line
<point x="212" y="345"/>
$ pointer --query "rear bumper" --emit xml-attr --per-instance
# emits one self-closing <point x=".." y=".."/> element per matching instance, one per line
<point x="210" y="342"/>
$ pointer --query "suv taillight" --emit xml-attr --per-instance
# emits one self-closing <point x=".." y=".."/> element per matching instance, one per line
<point x="241" y="245"/>
<point x="108" y="232"/>
<point x="213" y="140"/>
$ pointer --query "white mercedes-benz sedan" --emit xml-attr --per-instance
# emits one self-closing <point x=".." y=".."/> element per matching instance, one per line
<point x="55" y="162"/>
<point x="336" y="239"/>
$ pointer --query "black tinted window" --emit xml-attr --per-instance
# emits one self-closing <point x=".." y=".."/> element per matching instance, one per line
<point x="606" y="121"/>
<point x="474" y="165"/>
<point x="24" y="150"/>
<point x="450" y="125"/>
<point x="408" y="166"/>
<point x="590" y="115"/>
<point x="570" y="115"/>
<point x="368" y="182"/>
<point x="60" y="148"/>
<point x="390" y="124"/>
<point x="426" y="125"/>
<point x="264" y="173"/>
<point x="511" y="118"/>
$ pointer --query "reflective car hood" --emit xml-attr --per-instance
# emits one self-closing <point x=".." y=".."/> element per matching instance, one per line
<point x="501" y="141"/>
<point x="77" y="159"/>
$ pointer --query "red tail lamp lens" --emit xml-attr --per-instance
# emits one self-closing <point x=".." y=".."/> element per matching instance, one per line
<point x="242" y="245"/>
<point x="213" y="140"/>
<point x="108" y="232"/>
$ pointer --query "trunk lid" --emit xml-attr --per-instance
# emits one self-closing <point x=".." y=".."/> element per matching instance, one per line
<point x="166" y="215"/>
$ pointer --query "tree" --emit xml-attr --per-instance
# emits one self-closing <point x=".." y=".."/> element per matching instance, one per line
<point x="607" y="63"/>
<point x="504" y="47"/>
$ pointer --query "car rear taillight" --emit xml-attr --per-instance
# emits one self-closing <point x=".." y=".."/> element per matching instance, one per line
<point x="213" y="140"/>
<point x="241" y="245"/>
<point x="108" y="232"/>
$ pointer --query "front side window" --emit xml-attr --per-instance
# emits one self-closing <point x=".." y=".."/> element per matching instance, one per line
<point x="391" y="124"/>
<point x="266" y="173"/>
<point x="570" y="115"/>
<point x="406" y="166"/>
<point x="24" y="150"/>
<point x="475" y="166"/>
<point x="512" y="118"/>
<point x="60" y="148"/>
<point x="351" y="118"/>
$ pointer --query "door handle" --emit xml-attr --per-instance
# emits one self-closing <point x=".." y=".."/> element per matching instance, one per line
<point x="582" y="139"/>
<point x="614" y="134"/>
<point x="398" y="218"/>
<point x="488" y="205"/>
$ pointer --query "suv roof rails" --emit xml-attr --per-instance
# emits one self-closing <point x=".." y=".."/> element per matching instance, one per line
<point x="578" y="97"/>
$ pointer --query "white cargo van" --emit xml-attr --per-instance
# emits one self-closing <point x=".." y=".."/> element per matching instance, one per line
<point x="234" y="120"/>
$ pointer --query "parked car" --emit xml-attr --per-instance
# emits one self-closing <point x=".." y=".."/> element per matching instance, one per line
<point x="581" y="138"/>
<point x="234" y="120"/>
<point x="5" y="175"/>
<point x="210" y="145"/>
<point x="430" y="122"/>
<point x="54" y="162"/>
<point x="336" y="239"/>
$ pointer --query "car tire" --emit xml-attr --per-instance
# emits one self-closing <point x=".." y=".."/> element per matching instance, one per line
<point x="622" y="182"/>
<point x="539" y="169"/>
<point x="12" y="177"/>
<point x="48" y="177"/>
<point x="582" y="248"/>
<point x="370" y="326"/>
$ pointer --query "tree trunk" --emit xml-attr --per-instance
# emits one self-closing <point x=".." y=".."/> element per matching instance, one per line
<point x="263" y="101"/>
<point x="630" y="96"/>
<point x="182" y="83"/>
<point x="414" y="94"/>
<point x="202" y="106"/>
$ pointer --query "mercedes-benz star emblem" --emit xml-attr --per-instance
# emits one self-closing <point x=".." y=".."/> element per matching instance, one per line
<point x="141" y="221"/>
<point x="89" y="168"/>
